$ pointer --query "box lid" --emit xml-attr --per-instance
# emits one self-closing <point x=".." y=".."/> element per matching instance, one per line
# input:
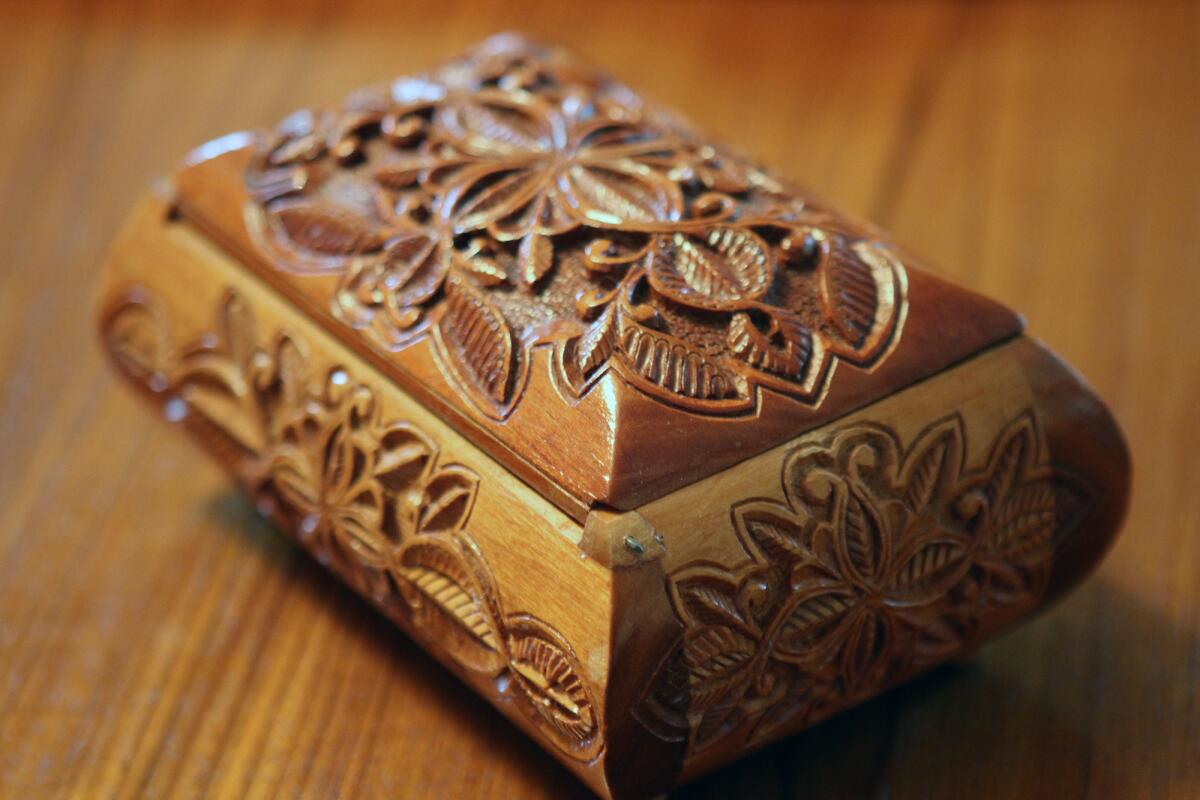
<point x="610" y="304"/>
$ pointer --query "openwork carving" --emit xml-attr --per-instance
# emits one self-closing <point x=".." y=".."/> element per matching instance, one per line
<point x="369" y="498"/>
<point x="511" y="199"/>
<point x="882" y="562"/>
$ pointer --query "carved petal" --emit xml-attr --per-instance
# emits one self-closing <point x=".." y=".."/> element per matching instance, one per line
<point x="620" y="193"/>
<point x="864" y="543"/>
<point x="404" y="457"/>
<point x="490" y="192"/>
<point x="545" y="213"/>
<point x="724" y="269"/>
<point x="447" y="500"/>
<point x="497" y="125"/>
<point x="814" y="624"/>
<point x="867" y="648"/>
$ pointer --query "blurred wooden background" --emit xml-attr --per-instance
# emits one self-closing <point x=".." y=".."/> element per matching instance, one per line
<point x="157" y="639"/>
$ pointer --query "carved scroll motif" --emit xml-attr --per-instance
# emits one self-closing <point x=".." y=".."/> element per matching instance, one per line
<point x="369" y="498"/>
<point x="882" y="562"/>
<point x="510" y="199"/>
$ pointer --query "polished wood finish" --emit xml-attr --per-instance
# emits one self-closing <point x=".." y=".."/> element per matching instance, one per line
<point x="860" y="554"/>
<point x="157" y="762"/>
<point x="517" y="238"/>
<point x="516" y="235"/>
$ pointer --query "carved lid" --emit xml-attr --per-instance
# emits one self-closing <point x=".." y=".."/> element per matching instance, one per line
<point x="608" y="303"/>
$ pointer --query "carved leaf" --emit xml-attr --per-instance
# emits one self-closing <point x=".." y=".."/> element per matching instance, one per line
<point x="778" y="538"/>
<point x="932" y="567"/>
<point x="663" y="709"/>
<point x="755" y="348"/>
<point x="442" y="579"/>
<point x="596" y="345"/>
<point x="478" y="341"/>
<point x="536" y="256"/>
<point x="484" y="270"/>
<point x="849" y="296"/>
<point x="1024" y="524"/>
<point x="723" y="270"/>
<point x="936" y="640"/>
<point x="400" y="175"/>
<point x="717" y="721"/>
<point x="413" y="271"/>
<point x="928" y="473"/>
<point x="717" y="658"/>
<point x="291" y="373"/>
<point x="138" y="340"/>
<point x="237" y="329"/>
<point x="1016" y="449"/>
<point x="710" y="601"/>
<point x="675" y="365"/>
<point x="447" y="500"/>
<point x="327" y="229"/>
<point x="298" y="148"/>
<point x="551" y="679"/>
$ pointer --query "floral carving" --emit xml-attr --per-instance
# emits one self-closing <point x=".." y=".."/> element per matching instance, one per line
<point x="880" y="563"/>
<point x="368" y="497"/>
<point x="509" y="200"/>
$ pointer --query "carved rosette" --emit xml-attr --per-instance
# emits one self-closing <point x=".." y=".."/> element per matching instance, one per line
<point x="881" y="562"/>
<point x="507" y="200"/>
<point x="368" y="498"/>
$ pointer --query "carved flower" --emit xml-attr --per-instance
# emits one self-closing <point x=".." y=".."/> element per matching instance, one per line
<point x="531" y="173"/>
<point x="881" y="562"/>
<point x="333" y="467"/>
<point x="430" y="198"/>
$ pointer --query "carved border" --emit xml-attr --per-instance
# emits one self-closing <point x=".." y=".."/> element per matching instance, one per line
<point x="881" y="562"/>
<point x="369" y="498"/>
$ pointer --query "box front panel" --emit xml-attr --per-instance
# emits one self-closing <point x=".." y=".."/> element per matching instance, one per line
<point x="466" y="558"/>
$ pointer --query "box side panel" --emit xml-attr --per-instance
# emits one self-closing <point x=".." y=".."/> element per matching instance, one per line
<point x="445" y="541"/>
<point x="823" y="572"/>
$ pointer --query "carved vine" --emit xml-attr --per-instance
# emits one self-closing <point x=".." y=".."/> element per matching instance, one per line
<point x="369" y="498"/>
<point x="880" y="563"/>
<point x="511" y="199"/>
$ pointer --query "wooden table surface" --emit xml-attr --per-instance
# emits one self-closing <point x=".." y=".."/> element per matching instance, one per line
<point x="158" y="640"/>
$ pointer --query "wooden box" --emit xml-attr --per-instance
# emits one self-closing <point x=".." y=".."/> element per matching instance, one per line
<point x="661" y="455"/>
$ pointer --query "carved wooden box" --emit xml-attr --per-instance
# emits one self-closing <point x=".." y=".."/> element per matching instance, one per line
<point x="661" y="455"/>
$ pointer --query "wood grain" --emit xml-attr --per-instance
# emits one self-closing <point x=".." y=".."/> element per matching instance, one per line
<point x="156" y="639"/>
